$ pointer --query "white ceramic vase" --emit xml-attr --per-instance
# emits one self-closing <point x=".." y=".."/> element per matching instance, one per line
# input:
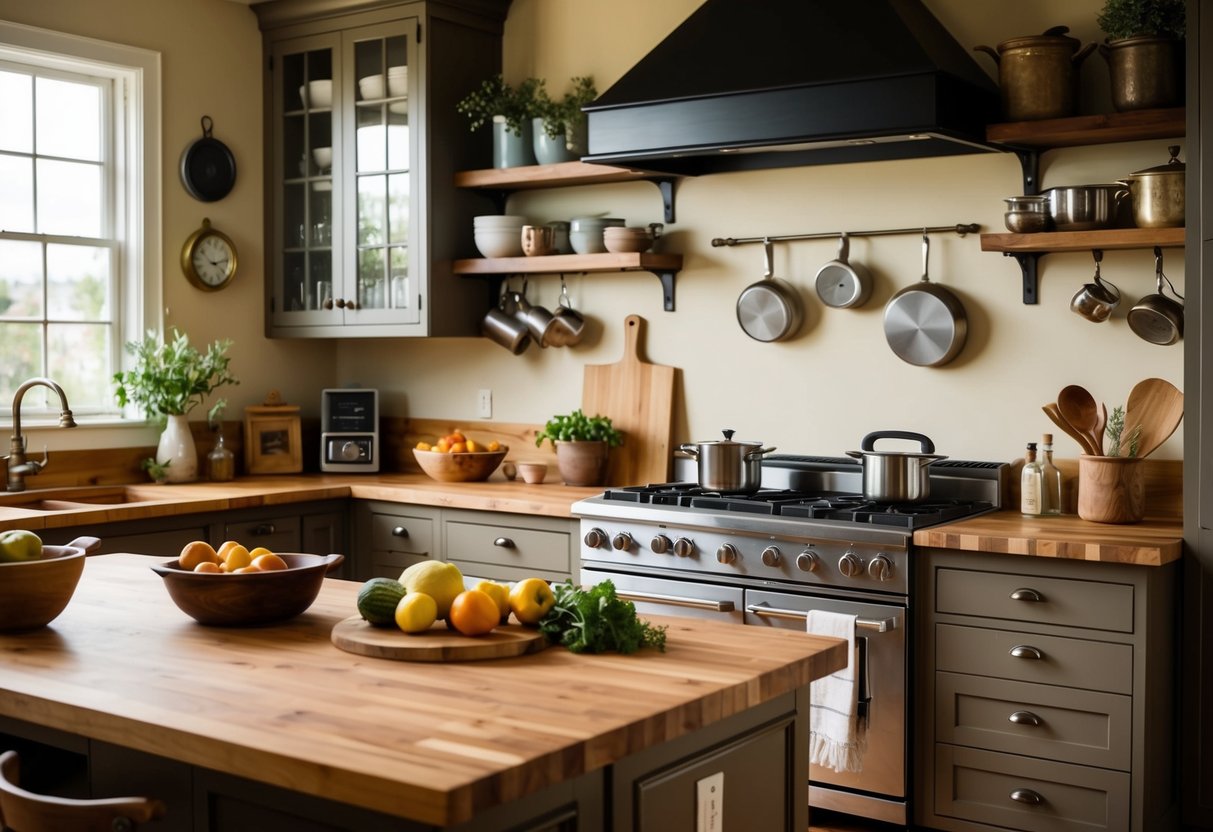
<point x="177" y="448"/>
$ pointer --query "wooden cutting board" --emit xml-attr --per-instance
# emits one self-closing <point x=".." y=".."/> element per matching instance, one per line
<point x="437" y="644"/>
<point x="639" y="399"/>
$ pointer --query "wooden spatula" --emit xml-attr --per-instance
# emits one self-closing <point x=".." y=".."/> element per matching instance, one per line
<point x="1158" y="407"/>
<point x="1084" y="442"/>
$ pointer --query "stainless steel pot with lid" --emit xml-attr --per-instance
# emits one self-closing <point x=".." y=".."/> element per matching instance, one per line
<point x="896" y="476"/>
<point x="1158" y="193"/>
<point x="728" y="465"/>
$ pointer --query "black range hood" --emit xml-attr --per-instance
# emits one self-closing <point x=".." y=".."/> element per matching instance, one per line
<point x="745" y="84"/>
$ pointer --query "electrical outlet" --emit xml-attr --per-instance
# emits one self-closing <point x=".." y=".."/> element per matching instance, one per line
<point x="484" y="404"/>
<point x="709" y="800"/>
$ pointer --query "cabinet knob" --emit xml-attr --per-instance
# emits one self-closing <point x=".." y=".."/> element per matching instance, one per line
<point x="328" y="303"/>
<point x="1024" y="718"/>
<point x="351" y="304"/>
<point x="1023" y="651"/>
<point x="1025" y="594"/>
<point x="400" y="531"/>
<point x="262" y="530"/>
<point x="339" y="303"/>
<point x="1027" y="796"/>
<point x="504" y="543"/>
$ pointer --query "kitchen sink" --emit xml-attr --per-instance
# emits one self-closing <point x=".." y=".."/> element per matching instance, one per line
<point x="72" y="499"/>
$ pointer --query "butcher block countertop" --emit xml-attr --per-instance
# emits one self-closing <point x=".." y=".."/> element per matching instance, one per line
<point x="1153" y="542"/>
<point x="437" y="743"/>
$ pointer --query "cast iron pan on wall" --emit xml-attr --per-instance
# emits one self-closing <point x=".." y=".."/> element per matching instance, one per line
<point x="208" y="169"/>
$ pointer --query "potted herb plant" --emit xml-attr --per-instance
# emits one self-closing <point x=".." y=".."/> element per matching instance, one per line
<point x="1144" y="50"/>
<point x="167" y="381"/>
<point x="582" y="445"/>
<point x="560" y="126"/>
<point x="511" y="111"/>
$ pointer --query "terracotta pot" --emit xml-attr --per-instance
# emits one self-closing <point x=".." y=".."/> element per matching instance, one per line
<point x="1111" y="489"/>
<point x="582" y="463"/>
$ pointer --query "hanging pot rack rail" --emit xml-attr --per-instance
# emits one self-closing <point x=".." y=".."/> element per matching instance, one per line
<point x="961" y="228"/>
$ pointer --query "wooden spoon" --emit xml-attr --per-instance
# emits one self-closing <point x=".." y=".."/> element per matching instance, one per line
<point x="1078" y="407"/>
<point x="1158" y="407"/>
<point x="1054" y="414"/>
<point x="1100" y="427"/>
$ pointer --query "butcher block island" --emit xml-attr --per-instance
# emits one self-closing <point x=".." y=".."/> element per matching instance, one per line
<point x="273" y="727"/>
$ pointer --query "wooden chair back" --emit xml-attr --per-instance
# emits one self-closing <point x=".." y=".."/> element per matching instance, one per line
<point x="22" y="811"/>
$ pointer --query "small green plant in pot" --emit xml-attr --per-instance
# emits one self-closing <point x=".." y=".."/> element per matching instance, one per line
<point x="510" y="110"/>
<point x="167" y="381"/>
<point x="582" y="446"/>
<point x="560" y="126"/>
<point x="1144" y="51"/>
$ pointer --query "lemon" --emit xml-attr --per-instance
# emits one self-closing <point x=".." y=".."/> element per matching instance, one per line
<point x="441" y="581"/>
<point x="416" y="612"/>
<point x="499" y="593"/>
<point x="237" y="557"/>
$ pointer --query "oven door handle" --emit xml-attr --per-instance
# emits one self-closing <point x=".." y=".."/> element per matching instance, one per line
<point x="880" y="625"/>
<point x="676" y="601"/>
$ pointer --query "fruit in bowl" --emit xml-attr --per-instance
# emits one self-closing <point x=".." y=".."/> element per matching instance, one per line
<point x="35" y="589"/>
<point x="456" y="458"/>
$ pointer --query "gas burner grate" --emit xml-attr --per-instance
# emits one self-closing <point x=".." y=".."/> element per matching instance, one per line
<point x="906" y="515"/>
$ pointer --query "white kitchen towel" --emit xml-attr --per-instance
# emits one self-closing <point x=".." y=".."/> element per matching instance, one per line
<point x="834" y="739"/>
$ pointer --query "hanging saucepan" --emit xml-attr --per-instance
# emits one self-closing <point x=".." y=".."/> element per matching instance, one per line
<point x="769" y="310"/>
<point x="896" y="476"/>
<point x="841" y="284"/>
<point x="925" y="324"/>
<point x="208" y="169"/>
<point x="1158" y="318"/>
<point x="728" y="466"/>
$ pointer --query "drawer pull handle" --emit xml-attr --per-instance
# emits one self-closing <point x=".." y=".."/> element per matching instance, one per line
<point x="1024" y="718"/>
<point x="1025" y="594"/>
<point x="1027" y="796"/>
<point x="504" y="543"/>
<point x="677" y="601"/>
<point x="400" y="531"/>
<point x="263" y="530"/>
<point x="1023" y="651"/>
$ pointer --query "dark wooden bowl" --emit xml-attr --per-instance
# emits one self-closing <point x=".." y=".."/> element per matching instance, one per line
<point x="34" y="592"/>
<point x="224" y="600"/>
<point x="465" y="467"/>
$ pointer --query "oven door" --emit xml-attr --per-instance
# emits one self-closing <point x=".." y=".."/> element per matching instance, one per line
<point x="658" y="596"/>
<point x="881" y="642"/>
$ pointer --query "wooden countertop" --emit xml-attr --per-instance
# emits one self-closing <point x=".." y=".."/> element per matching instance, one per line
<point x="437" y="743"/>
<point x="1153" y="542"/>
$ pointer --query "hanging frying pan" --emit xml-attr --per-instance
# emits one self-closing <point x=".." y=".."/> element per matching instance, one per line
<point x="208" y="169"/>
<point x="925" y="324"/>
<point x="769" y="310"/>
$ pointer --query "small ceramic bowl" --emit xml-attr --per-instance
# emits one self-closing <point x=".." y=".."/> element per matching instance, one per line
<point x="371" y="87"/>
<point x="323" y="157"/>
<point x="532" y="472"/>
<point x="319" y="94"/>
<point x="397" y="81"/>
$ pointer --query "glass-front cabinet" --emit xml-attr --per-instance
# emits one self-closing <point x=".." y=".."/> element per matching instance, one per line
<point x="362" y="221"/>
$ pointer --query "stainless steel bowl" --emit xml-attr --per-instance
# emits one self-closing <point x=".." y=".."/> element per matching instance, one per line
<point x="1027" y="222"/>
<point x="1085" y="207"/>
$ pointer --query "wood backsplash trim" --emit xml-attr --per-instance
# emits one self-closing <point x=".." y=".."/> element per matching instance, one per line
<point x="1164" y="480"/>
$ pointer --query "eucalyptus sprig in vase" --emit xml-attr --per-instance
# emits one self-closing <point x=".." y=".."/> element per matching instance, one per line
<point x="166" y="382"/>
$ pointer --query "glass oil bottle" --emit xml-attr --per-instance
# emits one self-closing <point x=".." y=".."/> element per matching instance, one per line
<point x="1050" y="491"/>
<point x="1031" y="484"/>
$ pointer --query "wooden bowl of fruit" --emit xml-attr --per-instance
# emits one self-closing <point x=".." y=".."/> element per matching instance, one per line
<point x="37" y="581"/>
<point x="454" y="458"/>
<point x="284" y="586"/>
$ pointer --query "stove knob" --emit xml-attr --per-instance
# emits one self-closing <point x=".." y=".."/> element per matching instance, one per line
<point x="849" y="564"/>
<point x="807" y="561"/>
<point x="727" y="553"/>
<point x="622" y="541"/>
<point x="880" y="568"/>
<point x="684" y="547"/>
<point x="771" y="556"/>
<point x="595" y="538"/>
<point x="660" y="544"/>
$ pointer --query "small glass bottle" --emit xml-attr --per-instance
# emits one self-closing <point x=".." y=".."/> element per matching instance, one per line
<point x="1031" y="484"/>
<point x="1050" y="491"/>
<point x="221" y="463"/>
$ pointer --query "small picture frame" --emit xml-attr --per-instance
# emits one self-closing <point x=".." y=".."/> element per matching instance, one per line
<point x="272" y="442"/>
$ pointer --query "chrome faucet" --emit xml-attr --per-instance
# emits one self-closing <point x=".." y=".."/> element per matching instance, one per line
<point x="18" y="466"/>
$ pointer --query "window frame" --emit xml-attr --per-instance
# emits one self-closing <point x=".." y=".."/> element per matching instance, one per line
<point x="133" y="190"/>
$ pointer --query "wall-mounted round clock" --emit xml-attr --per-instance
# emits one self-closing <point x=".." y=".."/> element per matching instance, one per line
<point x="208" y="258"/>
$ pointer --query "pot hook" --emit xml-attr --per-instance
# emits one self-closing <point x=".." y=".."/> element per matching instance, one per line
<point x="844" y="247"/>
<point x="926" y="251"/>
<point x="1162" y="277"/>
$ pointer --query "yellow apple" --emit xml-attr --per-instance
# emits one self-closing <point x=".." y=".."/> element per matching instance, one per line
<point x="19" y="544"/>
<point x="499" y="593"/>
<point x="530" y="599"/>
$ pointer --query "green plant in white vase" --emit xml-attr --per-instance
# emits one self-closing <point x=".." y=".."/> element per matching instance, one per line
<point x="510" y="109"/>
<point x="167" y="381"/>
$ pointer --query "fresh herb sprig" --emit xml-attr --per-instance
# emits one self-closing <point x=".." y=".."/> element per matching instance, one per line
<point x="577" y="427"/>
<point x="596" y="620"/>
<point x="1118" y="440"/>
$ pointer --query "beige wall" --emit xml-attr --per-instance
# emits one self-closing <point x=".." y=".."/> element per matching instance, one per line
<point x="816" y="394"/>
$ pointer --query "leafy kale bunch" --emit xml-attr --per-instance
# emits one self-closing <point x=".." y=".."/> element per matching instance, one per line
<point x="577" y="427"/>
<point x="495" y="97"/>
<point x="595" y="620"/>
<point x="1126" y="18"/>
<point x="172" y="378"/>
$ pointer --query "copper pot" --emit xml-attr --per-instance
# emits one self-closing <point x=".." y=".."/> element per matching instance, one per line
<point x="1038" y="75"/>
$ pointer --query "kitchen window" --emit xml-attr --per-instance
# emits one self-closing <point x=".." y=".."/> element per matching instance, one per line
<point x="79" y="214"/>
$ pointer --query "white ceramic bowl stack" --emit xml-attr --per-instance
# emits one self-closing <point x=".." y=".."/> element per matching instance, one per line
<point x="317" y="95"/>
<point x="498" y="235"/>
<point x="619" y="240"/>
<point x="371" y="87"/>
<point x="397" y="81"/>
<point x="323" y="157"/>
<point x="586" y="233"/>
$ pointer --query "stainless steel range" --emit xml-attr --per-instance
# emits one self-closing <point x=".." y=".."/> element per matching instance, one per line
<point x="806" y="540"/>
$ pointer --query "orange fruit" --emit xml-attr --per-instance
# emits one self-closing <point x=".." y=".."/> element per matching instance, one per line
<point x="244" y="570"/>
<point x="236" y="557"/>
<point x="196" y="552"/>
<point x="225" y="547"/>
<point x="494" y="445"/>
<point x="443" y="446"/>
<point x="455" y="436"/>
<point x="268" y="562"/>
<point x="424" y="446"/>
<point x="474" y="613"/>
<point x="458" y="448"/>
<point x="207" y="566"/>
<point x="472" y="446"/>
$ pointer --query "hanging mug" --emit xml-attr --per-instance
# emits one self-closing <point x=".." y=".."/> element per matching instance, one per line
<point x="1095" y="301"/>
<point x="501" y="326"/>
<point x="567" y="324"/>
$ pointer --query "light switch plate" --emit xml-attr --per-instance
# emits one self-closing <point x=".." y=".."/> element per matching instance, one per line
<point x="709" y="811"/>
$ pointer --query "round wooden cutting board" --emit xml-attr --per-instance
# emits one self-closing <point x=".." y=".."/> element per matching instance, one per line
<point x="437" y="644"/>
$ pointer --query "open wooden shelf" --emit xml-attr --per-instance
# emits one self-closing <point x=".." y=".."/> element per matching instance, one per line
<point x="1104" y="240"/>
<point x="1077" y="131"/>
<point x="546" y="176"/>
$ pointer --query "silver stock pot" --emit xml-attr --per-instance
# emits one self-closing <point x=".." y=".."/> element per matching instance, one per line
<point x="896" y="476"/>
<point x="728" y="465"/>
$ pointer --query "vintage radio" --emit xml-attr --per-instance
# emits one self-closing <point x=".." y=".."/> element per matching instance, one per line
<point x="349" y="430"/>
